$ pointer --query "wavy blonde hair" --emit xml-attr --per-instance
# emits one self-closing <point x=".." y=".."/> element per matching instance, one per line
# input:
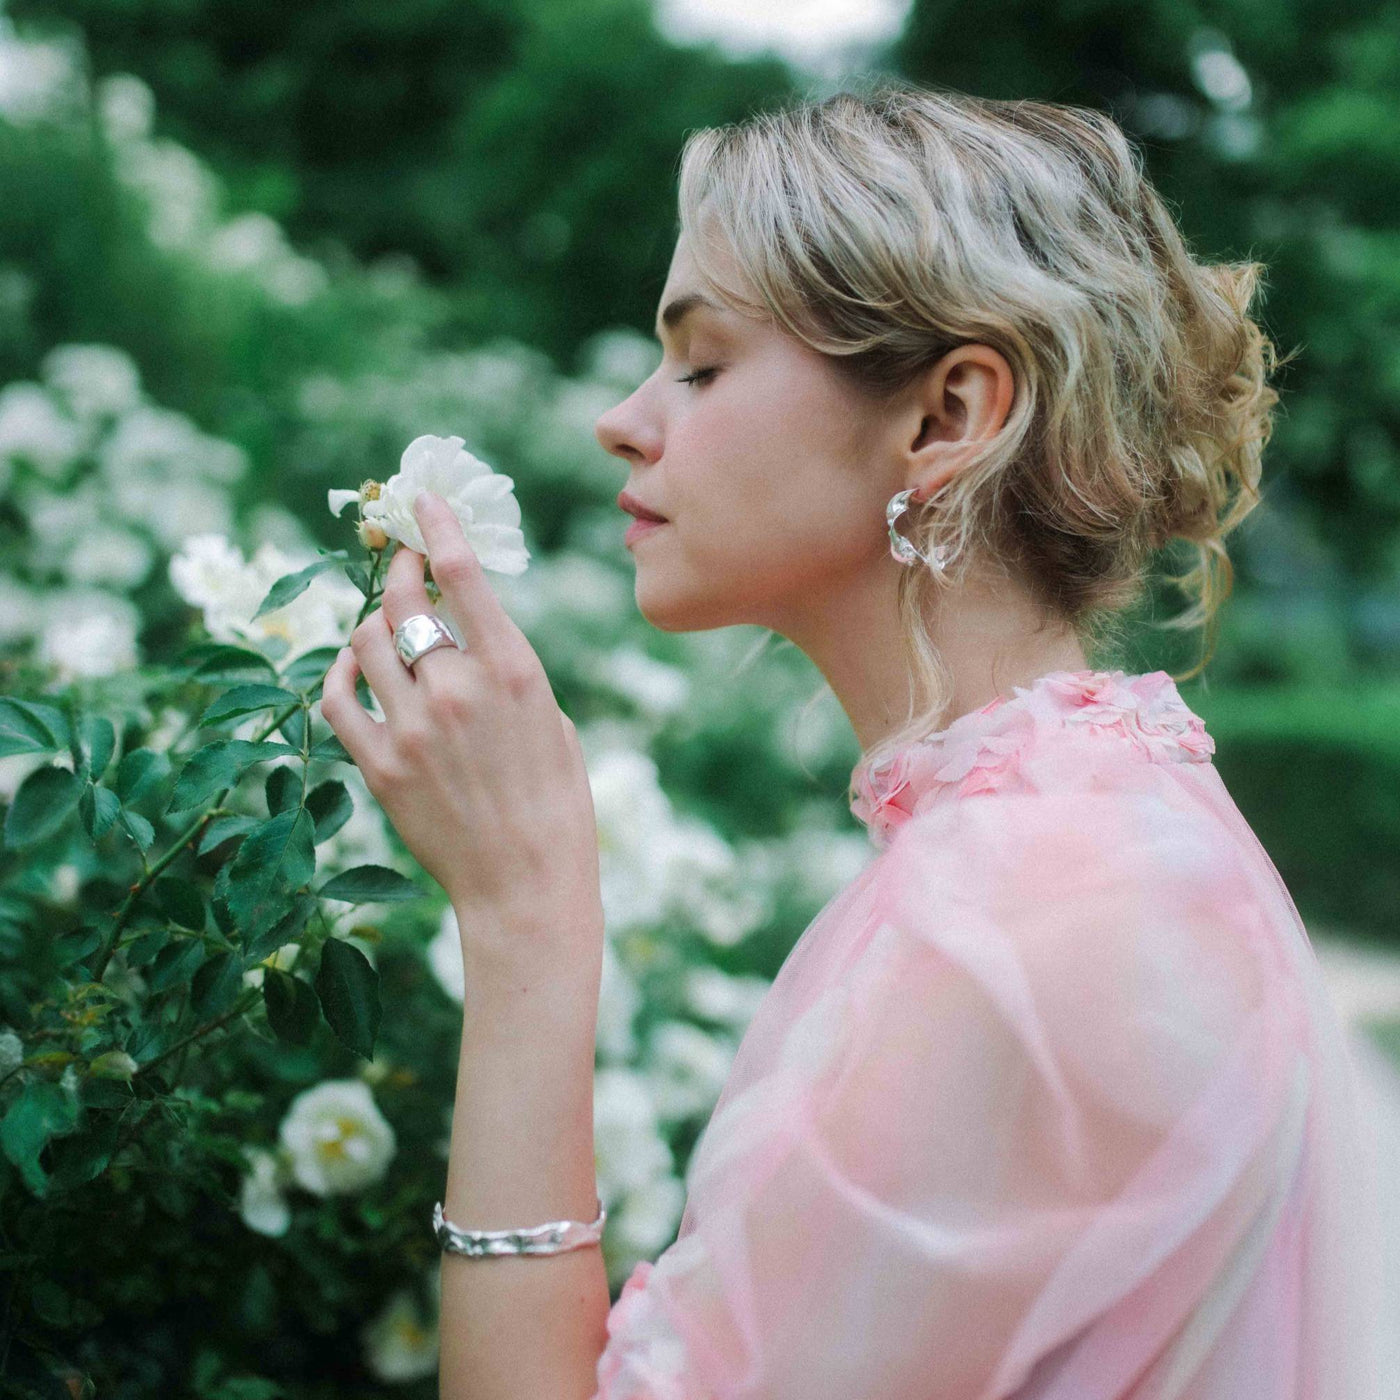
<point x="885" y="227"/>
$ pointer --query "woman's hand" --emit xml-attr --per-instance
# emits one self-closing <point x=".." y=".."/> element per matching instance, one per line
<point x="475" y="764"/>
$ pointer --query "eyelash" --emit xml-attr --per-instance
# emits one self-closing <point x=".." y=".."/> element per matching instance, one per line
<point x="698" y="376"/>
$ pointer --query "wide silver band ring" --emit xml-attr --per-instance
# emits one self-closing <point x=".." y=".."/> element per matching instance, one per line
<point x="416" y="636"/>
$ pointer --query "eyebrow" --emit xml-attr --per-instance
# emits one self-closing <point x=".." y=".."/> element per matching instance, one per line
<point x="679" y="309"/>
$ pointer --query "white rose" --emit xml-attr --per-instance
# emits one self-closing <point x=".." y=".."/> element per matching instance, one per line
<point x="261" y="1203"/>
<point x="400" y="1344"/>
<point x="336" y="1138"/>
<point x="480" y="498"/>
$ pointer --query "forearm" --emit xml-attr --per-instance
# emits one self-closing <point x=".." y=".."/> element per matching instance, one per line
<point x="522" y="1153"/>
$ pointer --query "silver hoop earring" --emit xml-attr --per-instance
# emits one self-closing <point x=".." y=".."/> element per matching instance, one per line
<point x="904" y="549"/>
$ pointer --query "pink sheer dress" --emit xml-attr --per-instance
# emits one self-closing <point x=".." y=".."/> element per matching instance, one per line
<point x="1050" y="1101"/>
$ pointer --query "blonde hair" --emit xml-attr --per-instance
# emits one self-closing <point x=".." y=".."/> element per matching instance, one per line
<point x="884" y="228"/>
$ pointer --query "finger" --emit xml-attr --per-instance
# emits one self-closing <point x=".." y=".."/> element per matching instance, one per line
<point x="484" y="624"/>
<point x="390" y="680"/>
<point x="350" y="722"/>
<point x="406" y="596"/>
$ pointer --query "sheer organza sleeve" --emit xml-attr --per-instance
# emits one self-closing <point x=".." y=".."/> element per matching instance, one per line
<point x="1036" y="1122"/>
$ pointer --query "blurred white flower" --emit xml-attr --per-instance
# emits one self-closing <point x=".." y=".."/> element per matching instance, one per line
<point x="11" y="1051"/>
<point x="181" y="195"/>
<point x="722" y="996"/>
<point x="621" y="356"/>
<point x="646" y="1221"/>
<point x="186" y="508"/>
<point x="33" y="429"/>
<point x="254" y="243"/>
<point x="88" y="634"/>
<point x="97" y="381"/>
<point x="631" y="811"/>
<point x="654" y="687"/>
<point x="112" y="558"/>
<point x="59" y="520"/>
<point x="480" y="498"/>
<point x="686" y="1068"/>
<point x="400" y="1344"/>
<point x="628" y="1148"/>
<point x="64" y="882"/>
<point x="619" y="1000"/>
<point x="126" y="107"/>
<point x="37" y="77"/>
<point x="337" y="1139"/>
<point x="261" y="1204"/>
<point x="22" y="610"/>
<point x="444" y="954"/>
<point x="210" y="573"/>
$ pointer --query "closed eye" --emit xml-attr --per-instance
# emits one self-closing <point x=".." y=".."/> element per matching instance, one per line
<point x="699" y="376"/>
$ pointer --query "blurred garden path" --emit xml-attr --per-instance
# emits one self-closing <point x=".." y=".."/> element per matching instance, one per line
<point x="1365" y="988"/>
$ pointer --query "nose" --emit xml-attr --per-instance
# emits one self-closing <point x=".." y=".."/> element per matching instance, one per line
<point x="623" y="432"/>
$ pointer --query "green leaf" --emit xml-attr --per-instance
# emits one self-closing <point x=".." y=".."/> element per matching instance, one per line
<point x="181" y="902"/>
<point x="139" y="829"/>
<point x="283" y="789"/>
<point x="331" y="749"/>
<point x="330" y="807"/>
<point x="291" y="586"/>
<point x="42" y="1111"/>
<point x="28" y="727"/>
<point x="348" y="987"/>
<point x="139" y="772"/>
<point x="41" y="805"/>
<point x="98" y="807"/>
<point x="215" y="987"/>
<point x="292" y="1008"/>
<point x="75" y="945"/>
<point x="247" y="700"/>
<point x="369" y="884"/>
<point x="358" y="574"/>
<point x="218" y="766"/>
<point x="176" y="962"/>
<point x="99" y="744"/>
<point x="287" y="929"/>
<point x="215" y="661"/>
<point x="306" y="671"/>
<point x="222" y="828"/>
<point x="275" y="857"/>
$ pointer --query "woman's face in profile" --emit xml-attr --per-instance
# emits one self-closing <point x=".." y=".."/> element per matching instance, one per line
<point x="759" y="459"/>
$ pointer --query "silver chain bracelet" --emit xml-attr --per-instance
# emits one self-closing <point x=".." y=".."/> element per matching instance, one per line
<point x="553" y="1237"/>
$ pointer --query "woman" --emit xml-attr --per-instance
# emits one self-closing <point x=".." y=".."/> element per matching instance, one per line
<point x="1050" y="1101"/>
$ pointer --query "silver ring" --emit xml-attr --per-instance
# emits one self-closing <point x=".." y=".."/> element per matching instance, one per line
<point x="416" y="636"/>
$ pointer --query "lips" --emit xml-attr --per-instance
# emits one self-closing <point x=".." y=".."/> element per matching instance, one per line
<point x="634" y="507"/>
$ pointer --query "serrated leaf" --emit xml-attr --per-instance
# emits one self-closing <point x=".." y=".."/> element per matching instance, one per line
<point x="138" y="828"/>
<point x="181" y="902"/>
<point x="275" y="858"/>
<point x="292" y="1006"/>
<point x="247" y="700"/>
<point x="369" y="884"/>
<point x="282" y="789"/>
<point x="139" y="772"/>
<point x="331" y="750"/>
<point x="219" y="766"/>
<point x="215" y="987"/>
<point x="99" y="744"/>
<point x="43" y="802"/>
<point x="177" y="962"/>
<point x="287" y="929"/>
<point x="221" y="828"/>
<point x="214" y="661"/>
<point x="330" y="806"/>
<point x="42" y="1111"/>
<point x="26" y="727"/>
<point x="98" y="807"/>
<point x="306" y="670"/>
<point x="291" y="586"/>
<point x="348" y="988"/>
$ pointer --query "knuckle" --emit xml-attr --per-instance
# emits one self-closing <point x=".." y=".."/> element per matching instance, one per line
<point x="414" y="742"/>
<point x="454" y="564"/>
<point x="362" y="633"/>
